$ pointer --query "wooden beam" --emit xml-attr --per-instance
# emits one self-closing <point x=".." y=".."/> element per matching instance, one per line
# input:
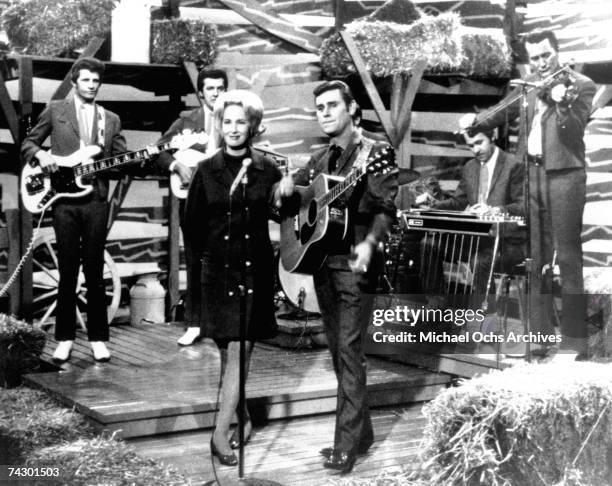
<point x="192" y="72"/>
<point x="26" y="96"/>
<point x="66" y="85"/>
<point x="405" y="112"/>
<point x="379" y="107"/>
<point x="602" y="97"/>
<point x="173" y="256"/>
<point x="275" y="25"/>
<point x="221" y="16"/>
<point x="397" y="89"/>
<point x="14" y="255"/>
<point x="117" y="198"/>
<point x="6" y="104"/>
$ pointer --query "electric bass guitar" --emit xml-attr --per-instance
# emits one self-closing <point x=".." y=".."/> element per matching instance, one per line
<point x="305" y="238"/>
<point x="40" y="190"/>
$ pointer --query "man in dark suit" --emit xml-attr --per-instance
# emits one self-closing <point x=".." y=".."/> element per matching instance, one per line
<point x="79" y="223"/>
<point x="557" y="114"/>
<point x="491" y="182"/>
<point x="348" y="272"/>
<point x="210" y="84"/>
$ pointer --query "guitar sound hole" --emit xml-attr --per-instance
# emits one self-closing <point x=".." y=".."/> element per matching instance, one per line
<point x="312" y="213"/>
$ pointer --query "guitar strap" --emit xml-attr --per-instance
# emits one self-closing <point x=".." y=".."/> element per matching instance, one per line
<point x="359" y="162"/>
<point x="364" y="153"/>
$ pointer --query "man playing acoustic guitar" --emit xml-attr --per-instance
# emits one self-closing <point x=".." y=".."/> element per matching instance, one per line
<point x="347" y="272"/>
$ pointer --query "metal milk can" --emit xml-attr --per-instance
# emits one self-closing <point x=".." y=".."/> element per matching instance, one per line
<point x="147" y="300"/>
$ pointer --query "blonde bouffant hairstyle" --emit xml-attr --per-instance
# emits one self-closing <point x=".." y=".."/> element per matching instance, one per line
<point x="250" y="102"/>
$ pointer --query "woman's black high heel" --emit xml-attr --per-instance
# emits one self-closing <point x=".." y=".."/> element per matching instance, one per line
<point x="225" y="459"/>
<point x="234" y="441"/>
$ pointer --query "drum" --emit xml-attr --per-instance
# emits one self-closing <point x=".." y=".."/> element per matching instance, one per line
<point x="298" y="289"/>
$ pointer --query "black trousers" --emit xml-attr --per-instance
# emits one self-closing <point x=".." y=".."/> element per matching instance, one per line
<point x="339" y="292"/>
<point x="557" y="206"/>
<point x="80" y="233"/>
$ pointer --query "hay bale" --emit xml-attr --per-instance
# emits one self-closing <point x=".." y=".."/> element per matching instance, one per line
<point x="389" y="48"/>
<point x="21" y="345"/>
<point x="103" y="460"/>
<point x="175" y="40"/>
<point x="533" y="424"/>
<point x="29" y="419"/>
<point x="51" y="28"/>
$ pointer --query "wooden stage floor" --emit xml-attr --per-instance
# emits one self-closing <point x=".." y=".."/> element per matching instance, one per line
<point x="151" y="386"/>
<point x="286" y="451"/>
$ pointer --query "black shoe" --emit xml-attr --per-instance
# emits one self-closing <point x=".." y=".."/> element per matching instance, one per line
<point x="225" y="459"/>
<point x="234" y="441"/>
<point x="341" y="461"/>
<point x="327" y="452"/>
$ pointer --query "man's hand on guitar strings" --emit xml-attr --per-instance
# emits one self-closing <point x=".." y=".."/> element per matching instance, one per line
<point x="46" y="161"/>
<point x="363" y="255"/>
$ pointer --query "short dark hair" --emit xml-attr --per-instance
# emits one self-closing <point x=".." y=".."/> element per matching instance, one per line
<point x="345" y="90"/>
<point x="538" y="36"/>
<point x="212" y="74"/>
<point x="487" y="132"/>
<point x="90" y="63"/>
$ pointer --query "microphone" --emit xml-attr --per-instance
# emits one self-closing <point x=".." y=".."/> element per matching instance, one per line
<point x="241" y="173"/>
<point x="520" y="82"/>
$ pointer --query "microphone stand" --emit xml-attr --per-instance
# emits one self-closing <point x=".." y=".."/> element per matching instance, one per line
<point x="244" y="292"/>
<point x="527" y="208"/>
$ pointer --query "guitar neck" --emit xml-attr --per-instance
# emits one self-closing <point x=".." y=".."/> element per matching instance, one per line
<point x="110" y="162"/>
<point x="336" y="191"/>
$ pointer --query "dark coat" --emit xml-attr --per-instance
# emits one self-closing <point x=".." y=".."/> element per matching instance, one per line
<point x="59" y="121"/>
<point x="371" y="203"/>
<point x="506" y="191"/>
<point x="189" y="120"/>
<point x="562" y="124"/>
<point x="213" y="228"/>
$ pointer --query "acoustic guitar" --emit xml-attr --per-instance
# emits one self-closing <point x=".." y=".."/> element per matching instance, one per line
<point x="319" y="223"/>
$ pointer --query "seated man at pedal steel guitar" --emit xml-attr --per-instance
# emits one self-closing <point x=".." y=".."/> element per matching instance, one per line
<point x="347" y="272"/>
<point x="210" y="83"/>
<point x="79" y="223"/>
<point x="491" y="183"/>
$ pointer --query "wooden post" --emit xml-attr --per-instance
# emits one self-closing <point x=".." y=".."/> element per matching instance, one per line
<point x="173" y="256"/>
<point x="173" y="243"/>
<point x="25" y="123"/>
<point x="409" y="87"/>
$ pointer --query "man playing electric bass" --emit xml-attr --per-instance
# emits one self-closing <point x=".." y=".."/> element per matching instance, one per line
<point x="80" y="222"/>
<point x="347" y="272"/>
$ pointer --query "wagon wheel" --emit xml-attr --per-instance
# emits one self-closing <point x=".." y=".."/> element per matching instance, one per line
<point x="45" y="279"/>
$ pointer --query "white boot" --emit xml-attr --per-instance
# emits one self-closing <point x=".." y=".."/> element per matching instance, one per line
<point x="62" y="352"/>
<point x="191" y="336"/>
<point x="100" y="351"/>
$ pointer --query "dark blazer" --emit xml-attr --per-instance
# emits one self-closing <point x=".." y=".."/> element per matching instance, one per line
<point x="506" y="191"/>
<point x="58" y="120"/>
<point x="371" y="203"/>
<point x="192" y="120"/>
<point x="562" y="124"/>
